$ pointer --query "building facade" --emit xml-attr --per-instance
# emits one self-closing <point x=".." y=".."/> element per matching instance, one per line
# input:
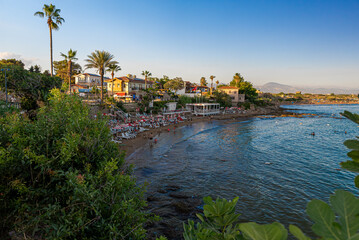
<point x="89" y="79"/>
<point x="127" y="86"/>
<point x="233" y="92"/>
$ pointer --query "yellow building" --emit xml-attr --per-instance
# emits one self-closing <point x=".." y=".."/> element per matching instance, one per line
<point x="127" y="86"/>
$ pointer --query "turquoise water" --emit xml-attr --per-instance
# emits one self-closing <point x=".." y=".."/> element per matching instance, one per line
<point x="228" y="160"/>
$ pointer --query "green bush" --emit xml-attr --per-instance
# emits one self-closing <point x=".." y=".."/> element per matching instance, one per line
<point x="245" y="105"/>
<point x="4" y="110"/>
<point x="120" y="105"/>
<point x="61" y="177"/>
<point x="29" y="86"/>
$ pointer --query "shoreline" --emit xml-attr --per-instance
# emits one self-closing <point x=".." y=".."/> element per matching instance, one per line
<point x="132" y="146"/>
<point x="173" y="203"/>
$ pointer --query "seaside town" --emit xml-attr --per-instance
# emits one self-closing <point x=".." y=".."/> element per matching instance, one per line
<point x="90" y="149"/>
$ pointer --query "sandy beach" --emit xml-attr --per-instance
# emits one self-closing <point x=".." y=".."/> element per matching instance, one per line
<point x="131" y="146"/>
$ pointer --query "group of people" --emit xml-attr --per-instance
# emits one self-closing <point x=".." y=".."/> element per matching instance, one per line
<point x="128" y="128"/>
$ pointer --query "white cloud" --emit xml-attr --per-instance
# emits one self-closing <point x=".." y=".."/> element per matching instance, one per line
<point x="27" y="61"/>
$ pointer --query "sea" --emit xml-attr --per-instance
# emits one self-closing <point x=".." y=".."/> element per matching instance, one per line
<point x="274" y="164"/>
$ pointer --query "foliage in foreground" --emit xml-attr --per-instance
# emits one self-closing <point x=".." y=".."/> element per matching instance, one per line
<point x="337" y="220"/>
<point x="61" y="177"/>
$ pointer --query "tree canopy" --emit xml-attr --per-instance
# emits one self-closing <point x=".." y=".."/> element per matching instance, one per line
<point x="245" y="87"/>
<point x="174" y="84"/>
<point x="61" y="69"/>
<point x="29" y="86"/>
<point x="12" y="62"/>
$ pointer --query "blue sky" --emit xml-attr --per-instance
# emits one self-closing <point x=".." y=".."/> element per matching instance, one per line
<point x="302" y="43"/>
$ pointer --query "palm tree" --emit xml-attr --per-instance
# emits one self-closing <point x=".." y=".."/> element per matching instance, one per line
<point x="217" y="82"/>
<point x="100" y="60"/>
<point x="53" y="21"/>
<point x="212" y="77"/>
<point x="237" y="79"/>
<point x="203" y="81"/>
<point x="113" y="68"/>
<point x="146" y="74"/>
<point x="71" y="55"/>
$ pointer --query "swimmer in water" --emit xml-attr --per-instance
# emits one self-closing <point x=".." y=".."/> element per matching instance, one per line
<point x="313" y="134"/>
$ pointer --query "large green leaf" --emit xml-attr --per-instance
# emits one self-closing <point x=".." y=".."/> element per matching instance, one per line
<point x="350" y="166"/>
<point x="356" y="181"/>
<point x="256" y="231"/>
<point x="297" y="233"/>
<point x="346" y="205"/>
<point x="323" y="218"/>
<point x="354" y="155"/>
<point x="354" y="117"/>
<point x="352" y="144"/>
<point x="329" y="226"/>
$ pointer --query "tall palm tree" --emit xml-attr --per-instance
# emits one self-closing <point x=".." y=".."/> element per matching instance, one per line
<point x="217" y="82"/>
<point x="113" y="68"/>
<point x="100" y="60"/>
<point x="53" y="21"/>
<point x="212" y="77"/>
<point x="71" y="56"/>
<point x="146" y="74"/>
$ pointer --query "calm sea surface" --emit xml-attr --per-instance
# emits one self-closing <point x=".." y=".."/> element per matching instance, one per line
<point x="228" y="160"/>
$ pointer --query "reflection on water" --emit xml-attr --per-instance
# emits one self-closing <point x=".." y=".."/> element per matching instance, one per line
<point x="228" y="160"/>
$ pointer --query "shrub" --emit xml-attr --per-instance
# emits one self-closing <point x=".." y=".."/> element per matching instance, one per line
<point x="61" y="177"/>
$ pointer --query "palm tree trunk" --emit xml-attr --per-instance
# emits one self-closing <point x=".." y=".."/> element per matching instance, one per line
<point x="211" y="85"/>
<point x="145" y="82"/>
<point x="101" y="86"/>
<point x="112" y="84"/>
<point x="51" y="50"/>
<point x="69" y="74"/>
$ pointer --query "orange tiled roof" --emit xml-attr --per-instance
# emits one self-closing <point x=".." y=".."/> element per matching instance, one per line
<point x="228" y="87"/>
<point x="127" y="79"/>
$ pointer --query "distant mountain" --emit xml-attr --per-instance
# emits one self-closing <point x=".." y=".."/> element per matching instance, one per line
<point x="273" y="87"/>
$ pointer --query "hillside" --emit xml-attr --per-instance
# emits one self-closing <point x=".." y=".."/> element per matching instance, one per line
<point x="273" y="87"/>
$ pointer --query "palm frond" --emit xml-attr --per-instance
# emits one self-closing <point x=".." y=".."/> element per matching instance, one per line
<point x="40" y="14"/>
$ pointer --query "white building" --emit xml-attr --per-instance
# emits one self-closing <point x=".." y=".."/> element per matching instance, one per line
<point x="171" y="106"/>
<point x="89" y="79"/>
<point x="203" y="109"/>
